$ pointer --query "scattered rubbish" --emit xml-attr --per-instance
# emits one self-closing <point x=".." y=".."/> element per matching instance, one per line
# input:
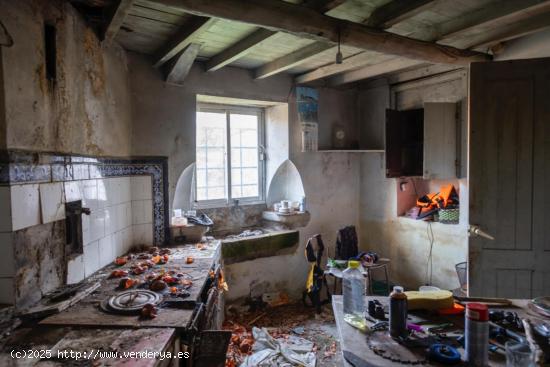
<point x="298" y="330"/>
<point x="275" y="299"/>
<point x="268" y="351"/>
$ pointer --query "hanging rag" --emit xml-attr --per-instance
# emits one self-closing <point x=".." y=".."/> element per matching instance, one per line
<point x="346" y="243"/>
<point x="316" y="275"/>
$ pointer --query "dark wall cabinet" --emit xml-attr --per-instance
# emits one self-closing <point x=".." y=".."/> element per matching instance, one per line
<point x="422" y="142"/>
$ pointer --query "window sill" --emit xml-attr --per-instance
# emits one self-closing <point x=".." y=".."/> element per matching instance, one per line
<point x="227" y="205"/>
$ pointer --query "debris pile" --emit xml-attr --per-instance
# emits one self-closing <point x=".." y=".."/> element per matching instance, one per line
<point x="288" y="327"/>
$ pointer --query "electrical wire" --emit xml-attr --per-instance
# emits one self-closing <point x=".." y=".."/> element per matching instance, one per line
<point x="429" y="263"/>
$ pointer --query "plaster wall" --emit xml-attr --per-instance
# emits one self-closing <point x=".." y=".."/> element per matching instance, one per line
<point x="87" y="109"/>
<point x="405" y="241"/>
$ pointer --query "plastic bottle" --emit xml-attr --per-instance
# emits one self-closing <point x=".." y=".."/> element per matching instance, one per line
<point x="353" y="289"/>
<point x="476" y="334"/>
<point x="398" y="312"/>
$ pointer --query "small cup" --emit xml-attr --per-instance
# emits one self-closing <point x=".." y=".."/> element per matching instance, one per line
<point x="518" y="354"/>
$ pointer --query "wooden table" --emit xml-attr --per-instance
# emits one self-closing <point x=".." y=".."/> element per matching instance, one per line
<point x="351" y="339"/>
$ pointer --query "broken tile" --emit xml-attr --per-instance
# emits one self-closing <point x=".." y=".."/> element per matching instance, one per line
<point x="52" y="202"/>
<point x="25" y="206"/>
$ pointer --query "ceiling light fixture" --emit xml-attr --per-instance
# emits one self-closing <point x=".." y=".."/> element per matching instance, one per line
<point x="339" y="57"/>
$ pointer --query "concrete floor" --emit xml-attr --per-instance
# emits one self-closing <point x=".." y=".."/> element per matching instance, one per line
<point x="295" y="319"/>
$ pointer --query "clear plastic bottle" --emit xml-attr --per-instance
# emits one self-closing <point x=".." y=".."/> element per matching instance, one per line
<point x="353" y="289"/>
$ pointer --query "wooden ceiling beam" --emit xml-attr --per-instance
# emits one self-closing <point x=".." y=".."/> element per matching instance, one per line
<point x="301" y="21"/>
<point x="464" y="32"/>
<point x="177" y="69"/>
<point x="291" y="60"/>
<point x="396" y="11"/>
<point x="322" y="6"/>
<point x="238" y="50"/>
<point x="187" y="34"/>
<point x="116" y="17"/>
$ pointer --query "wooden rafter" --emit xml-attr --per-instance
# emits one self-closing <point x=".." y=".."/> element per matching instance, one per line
<point x="178" y="68"/>
<point x="304" y="22"/>
<point x="479" y="28"/>
<point x="187" y="34"/>
<point x="515" y="30"/>
<point x="352" y="62"/>
<point x="396" y="11"/>
<point x="392" y="65"/>
<point x="239" y="49"/>
<point x="489" y="18"/>
<point x="116" y="17"/>
<point x="323" y="6"/>
<point x="246" y="45"/>
<point x="293" y="59"/>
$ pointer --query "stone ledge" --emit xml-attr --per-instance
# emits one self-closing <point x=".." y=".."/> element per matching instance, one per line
<point x="265" y="245"/>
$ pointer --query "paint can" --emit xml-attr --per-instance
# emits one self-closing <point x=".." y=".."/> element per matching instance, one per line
<point x="476" y="334"/>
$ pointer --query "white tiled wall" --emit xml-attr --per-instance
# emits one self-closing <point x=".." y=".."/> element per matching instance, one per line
<point x="121" y="216"/>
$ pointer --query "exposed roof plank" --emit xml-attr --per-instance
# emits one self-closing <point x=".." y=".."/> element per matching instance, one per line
<point x="396" y="11"/>
<point x="490" y="16"/>
<point x="390" y="66"/>
<point x="515" y="30"/>
<point x="289" y="61"/>
<point x="304" y="22"/>
<point x="352" y="62"/>
<point x="238" y="50"/>
<point x="483" y="27"/>
<point x="187" y="33"/>
<point x="116" y="18"/>
<point x="177" y="69"/>
<point x="323" y="6"/>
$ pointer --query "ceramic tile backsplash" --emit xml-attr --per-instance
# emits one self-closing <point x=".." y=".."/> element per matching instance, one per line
<point x="7" y="291"/>
<point x="5" y="209"/>
<point x="116" y="222"/>
<point x="91" y="258"/>
<point x="106" y="250"/>
<point x="52" y="202"/>
<point x="75" y="269"/>
<point x="34" y="197"/>
<point x="25" y="206"/>
<point x="141" y="188"/>
<point x="72" y="191"/>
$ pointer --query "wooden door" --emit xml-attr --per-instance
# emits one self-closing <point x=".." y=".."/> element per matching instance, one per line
<point x="509" y="178"/>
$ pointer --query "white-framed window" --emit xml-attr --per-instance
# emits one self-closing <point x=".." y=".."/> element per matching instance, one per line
<point x="229" y="151"/>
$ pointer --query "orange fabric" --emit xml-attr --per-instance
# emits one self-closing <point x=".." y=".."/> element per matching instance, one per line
<point x="441" y="199"/>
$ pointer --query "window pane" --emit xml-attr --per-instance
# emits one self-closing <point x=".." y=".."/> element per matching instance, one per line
<point x="211" y="156"/>
<point x="235" y="176"/>
<point x="235" y="157"/>
<point x="201" y="177"/>
<point x="244" y="155"/>
<point x="216" y="193"/>
<point x="236" y="191"/>
<point x="250" y="190"/>
<point x="249" y="137"/>
<point x="250" y="176"/>
<point x="250" y="157"/>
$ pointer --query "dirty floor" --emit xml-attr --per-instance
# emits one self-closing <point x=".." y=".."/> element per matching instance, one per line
<point x="281" y="321"/>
